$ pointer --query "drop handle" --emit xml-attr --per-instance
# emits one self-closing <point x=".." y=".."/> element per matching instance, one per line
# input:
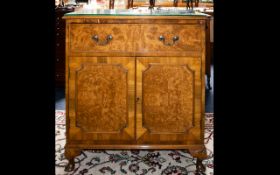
<point x="102" y="43"/>
<point x="174" y="39"/>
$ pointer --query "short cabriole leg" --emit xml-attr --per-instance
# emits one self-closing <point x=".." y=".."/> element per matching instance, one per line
<point x="200" y="168"/>
<point x="70" y="154"/>
<point x="200" y="155"/>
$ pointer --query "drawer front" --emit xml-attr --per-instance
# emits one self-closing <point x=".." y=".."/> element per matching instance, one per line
<point x="166" y="39"/>
<point x="112" y="39"/>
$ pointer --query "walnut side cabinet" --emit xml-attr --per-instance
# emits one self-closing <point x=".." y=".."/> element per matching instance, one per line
<point x="135" y="82"/>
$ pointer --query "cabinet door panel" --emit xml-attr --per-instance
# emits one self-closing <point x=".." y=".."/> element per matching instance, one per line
<point x="169" y="100"/>
<point x="101" y="99"/>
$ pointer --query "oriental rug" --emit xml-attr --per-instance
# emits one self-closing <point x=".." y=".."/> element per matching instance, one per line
<point x="131" y="162"/>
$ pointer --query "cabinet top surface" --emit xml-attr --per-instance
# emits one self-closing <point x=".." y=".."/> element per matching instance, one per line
<point x="135" y="12"/>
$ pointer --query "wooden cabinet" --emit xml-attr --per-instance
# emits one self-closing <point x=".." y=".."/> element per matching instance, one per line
<point x="135" y="82"/>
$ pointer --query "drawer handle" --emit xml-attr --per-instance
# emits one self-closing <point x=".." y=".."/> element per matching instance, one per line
<point x="102" y="43"/>
<point x="174" y="39"/>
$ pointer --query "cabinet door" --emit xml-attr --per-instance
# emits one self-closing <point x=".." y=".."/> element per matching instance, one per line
<point x="101" y="97"/>
<point x="169" y="100"/>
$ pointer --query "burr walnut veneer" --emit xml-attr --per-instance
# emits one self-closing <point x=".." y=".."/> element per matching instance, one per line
<point x="135" y="82"/>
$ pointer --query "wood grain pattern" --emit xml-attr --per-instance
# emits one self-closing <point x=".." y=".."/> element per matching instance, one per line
<point x="101" y="103"/>
<point x="134" y="92"/>
<point x="188" y="132"/>
<point x="101" y="98"/>
<point x="196" y="148"/>
<point x="168" y="96"/>
<point x="189" y="39"/>
<point x="81" y="38"/>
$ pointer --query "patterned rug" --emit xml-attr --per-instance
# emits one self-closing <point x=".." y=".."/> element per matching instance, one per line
<point x="134" y="162"/>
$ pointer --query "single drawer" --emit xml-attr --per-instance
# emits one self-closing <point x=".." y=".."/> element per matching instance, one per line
<point x="166" y="39"/>
<point x="110" y="39"/>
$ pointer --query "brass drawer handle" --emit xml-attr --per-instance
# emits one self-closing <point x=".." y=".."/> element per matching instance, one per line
<point x="102" y="43"/>
<point x="174" y="39"/>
